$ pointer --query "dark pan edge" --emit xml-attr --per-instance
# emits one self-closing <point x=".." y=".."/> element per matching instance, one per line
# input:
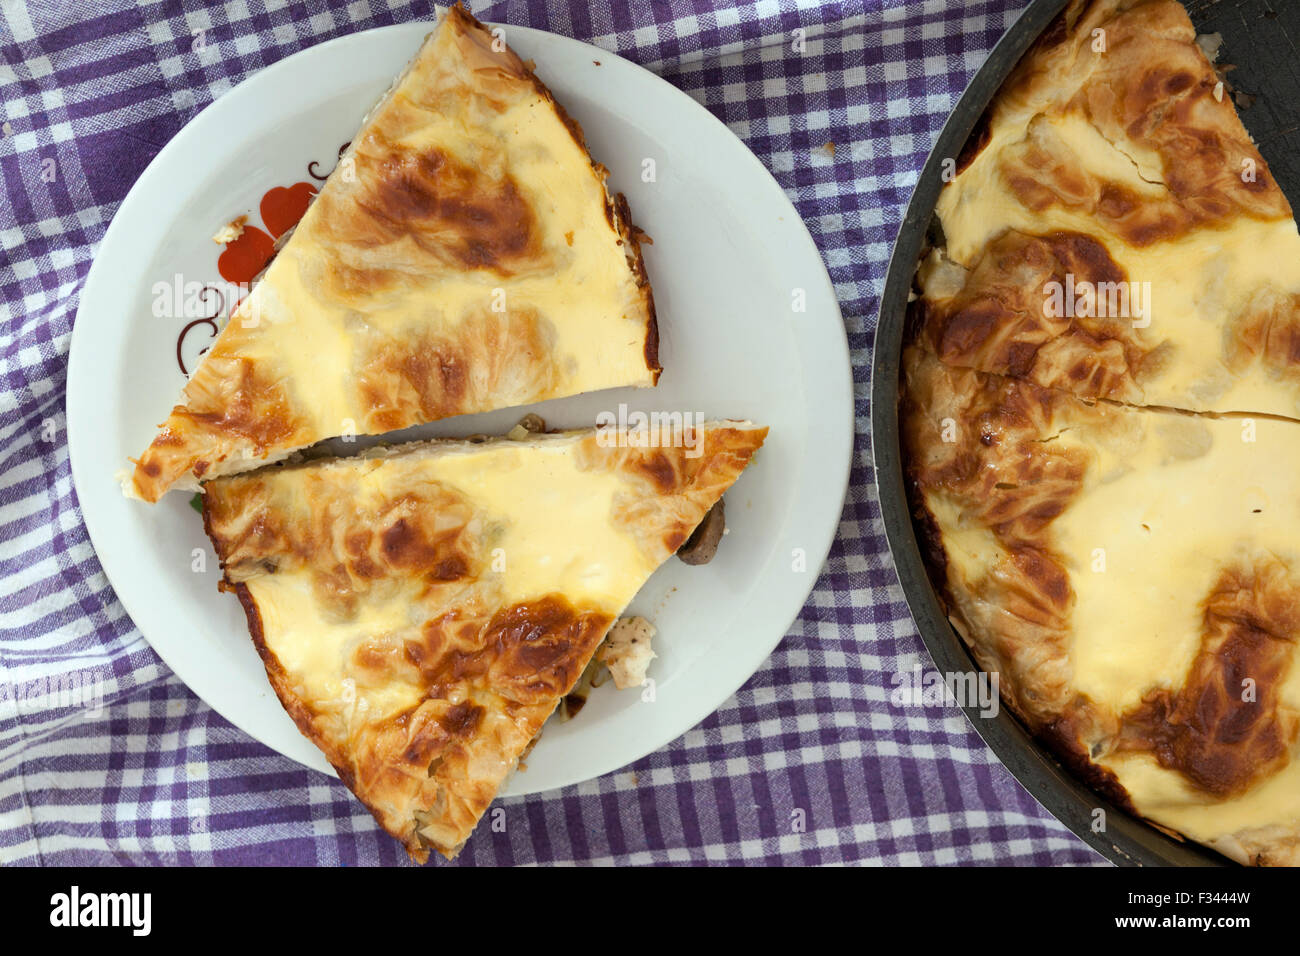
<point x="1128" y="841"/>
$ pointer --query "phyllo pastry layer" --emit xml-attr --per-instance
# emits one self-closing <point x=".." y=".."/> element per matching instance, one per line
<point x="464" y="255"/>
<point x="1112" y="231"/>
<point x="1133" y="578"/>
<point x="422" y="610"/>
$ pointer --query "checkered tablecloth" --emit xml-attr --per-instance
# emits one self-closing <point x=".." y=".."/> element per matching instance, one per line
<point x="150" y="774"/>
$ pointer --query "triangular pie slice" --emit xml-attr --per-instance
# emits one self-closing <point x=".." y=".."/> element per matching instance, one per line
<point x="1112" y="231"/>
<point x="1133" y="578"/>
<point x="421" y="610"/>
<point x="464" y="255"/>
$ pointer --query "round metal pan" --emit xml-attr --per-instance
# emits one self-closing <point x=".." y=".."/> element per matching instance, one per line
<point x="1257" y="40"/>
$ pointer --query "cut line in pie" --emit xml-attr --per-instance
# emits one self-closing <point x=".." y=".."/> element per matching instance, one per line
<point x="1099" y="421"/>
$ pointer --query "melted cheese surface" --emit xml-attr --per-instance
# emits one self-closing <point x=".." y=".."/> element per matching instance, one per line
<point x="1198" y="282"/>
<point x="1166" y="798"/>
<point x="546" y="517"/>
<point x="464" y="255"/>
<point x="1170" y="505"/>
<point x="592" y="303"/>
<point x="546" y="527"/>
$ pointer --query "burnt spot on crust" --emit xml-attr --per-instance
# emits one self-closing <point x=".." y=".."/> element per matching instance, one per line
<point x="228" y="402"/>
<point x="418" y="543"/>
<point x="620" y="218"/>
<point x="539" y="649"/>
<point x="461" y="720"/>
<point x="443" y="215"/>
<point x="651" y="349"/>
<point x="488" y="360"/>
<point x="659" y="470"/>
<point x="427" y="733"/>
<point x="346" y="547"/>
<point x="1057" y="32"/>
<point x="929" y="538"/>
<point x="1224" y="728"/>
<point x="1064" y="736"/>
<point x="527" y="653"/>
<point x="1016" y="315"/>
<point x="398" y="539"/>
<point x="975" y="143"/>
<point x="453" y="211"/>
<point x="450" y="568"/>
<point x="427" y="738"/>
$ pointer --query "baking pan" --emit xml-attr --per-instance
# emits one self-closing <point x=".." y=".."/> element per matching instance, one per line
<point x="1266" y="77"/>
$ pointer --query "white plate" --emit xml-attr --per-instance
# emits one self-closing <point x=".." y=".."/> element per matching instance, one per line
<point x="729" y="254"/>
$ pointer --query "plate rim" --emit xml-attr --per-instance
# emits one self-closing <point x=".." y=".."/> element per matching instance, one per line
<point x="838" y="455"/>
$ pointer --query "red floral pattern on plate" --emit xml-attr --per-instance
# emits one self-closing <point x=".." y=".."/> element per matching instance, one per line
<point x="244" y="257"/>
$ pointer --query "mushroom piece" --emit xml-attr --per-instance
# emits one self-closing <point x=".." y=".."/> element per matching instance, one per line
<point x="703" y="543"/>
<point x="530" y="424"/>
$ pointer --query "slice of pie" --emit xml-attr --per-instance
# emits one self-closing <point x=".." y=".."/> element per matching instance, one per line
<point x="1111" y="229"/>
<point x="421" y="610"/>
<point x="464" y="255"/>
<point x="1133" y="578"/>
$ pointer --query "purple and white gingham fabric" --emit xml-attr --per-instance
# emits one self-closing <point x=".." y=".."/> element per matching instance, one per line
<point x="149" y="774"/>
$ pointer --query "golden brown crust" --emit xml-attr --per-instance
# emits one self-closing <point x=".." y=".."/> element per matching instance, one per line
<point x="978" y="443"/>
<point x="397" y="566"/>
<point x="418" y="532"/>
<point x="991" y="476"/>
<point x="669" y="491"/>
<point x="1220" y="738"/>
<point x="1148" y="90"/>
<point x="999" y="319"/>
<point x="231" y="408"/>
<point x="1109" y="157"/>
<point x="488" y="358"/>
<point x="458" y="217"/>
<point x="1266" y="331"/>
<point x="456" y="261"/>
